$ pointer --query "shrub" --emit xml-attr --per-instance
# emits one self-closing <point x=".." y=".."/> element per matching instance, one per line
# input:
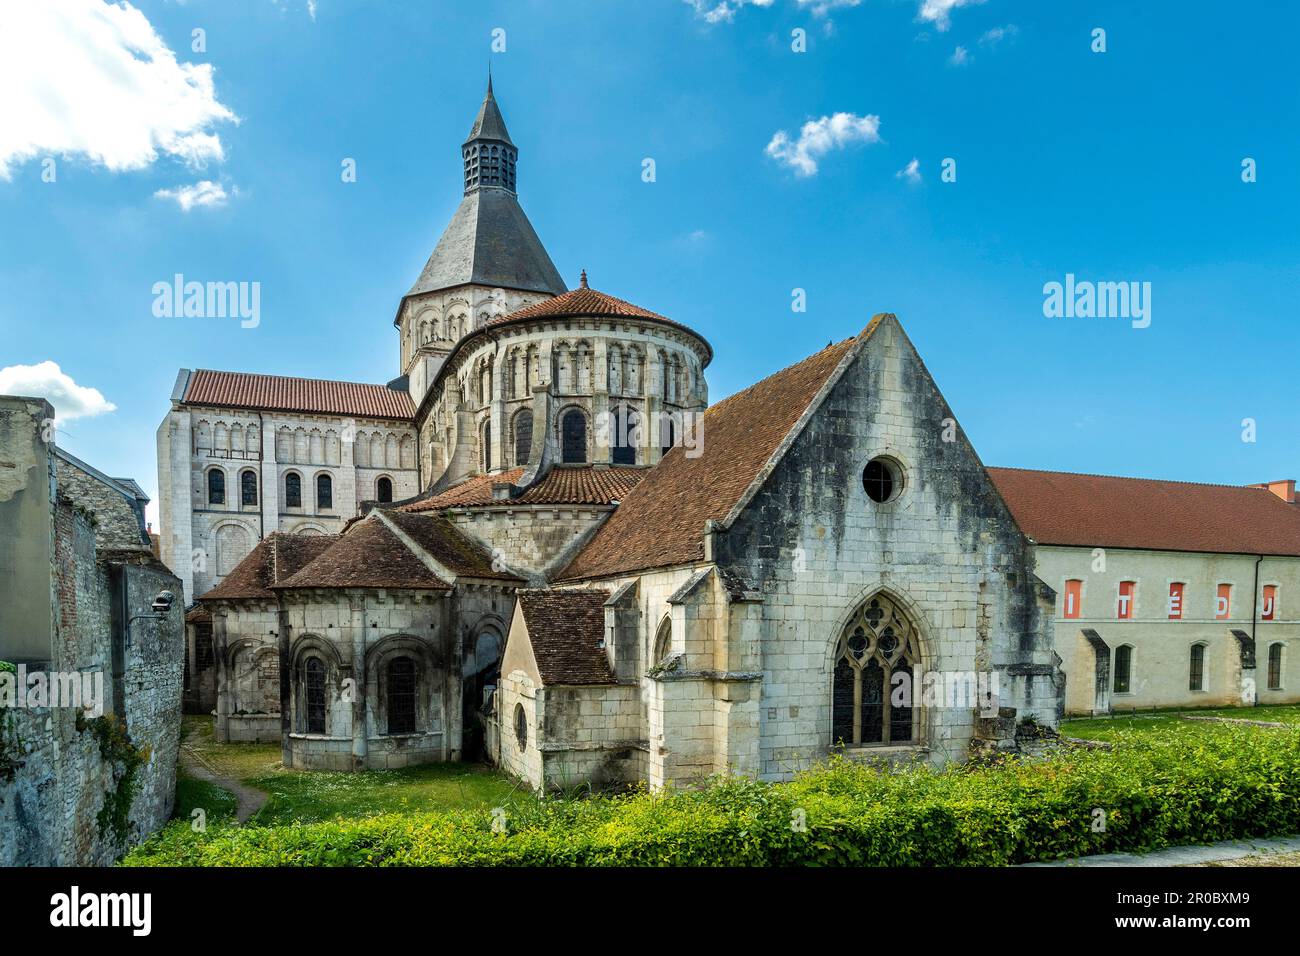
<point x="1194" y="785"/>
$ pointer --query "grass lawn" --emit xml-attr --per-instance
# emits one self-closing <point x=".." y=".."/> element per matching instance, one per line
<point x="1113" y="728"/>
<point x="311" y="796"/>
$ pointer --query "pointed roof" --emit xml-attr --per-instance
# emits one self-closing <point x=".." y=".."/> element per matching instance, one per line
<point x="489" y="242"/>
<point x="489" y="123"/>
<point x="565" y="629"/>
<point x="367" y="556"/>
<point x="661" y="522"/>
<point x="276" y="557"/>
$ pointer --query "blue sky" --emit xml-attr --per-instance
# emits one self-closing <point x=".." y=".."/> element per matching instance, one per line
<point x="1117" y="166"/>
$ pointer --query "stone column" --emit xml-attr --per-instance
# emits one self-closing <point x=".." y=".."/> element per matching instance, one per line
<point x="357" y="607"/>
<point x="222" y="729"/>
<point x="282" y="635"/>
<point x="270" y="479"/>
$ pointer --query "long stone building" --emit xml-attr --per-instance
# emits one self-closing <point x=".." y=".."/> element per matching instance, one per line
<point x="581" y="568"/>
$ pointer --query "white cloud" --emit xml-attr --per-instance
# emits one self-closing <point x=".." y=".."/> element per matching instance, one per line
<point x="818" y="137"/>
<point x="203" y="193"/>
<point x="960" y="57"/>
<point x="911" y="172"/>
<point x="723" y="11"/>
<point x="311" y="10"/>
<point x="939" y="12"/>
<point x="998" y="34"/>
<point x="822" y="7"/>
<point x="46" y="380"/>
<point x="93" y="79"/>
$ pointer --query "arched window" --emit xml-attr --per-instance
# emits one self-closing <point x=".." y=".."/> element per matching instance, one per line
<point x="573" y="438"/>
<point x="1196" y="670"/>
<point x="401" y="696"/>
<point x="315" y="695"/>
<point x="623" y="441"/>
<point x="663" y="641"/>
<point x="521" y="727"/>
<point x="487" y="446"/>
<point x="877" y="651"/>
<point x="1275" y="666"/>
<point x="216" y="487"/>
<point x="292" y="490"/>
<point x="1123" y="668"/>
<point x="324" y="493"/>
<point x="523" y="437"/>
<point x="384" y="490"/>
<point x="248" y="488"/>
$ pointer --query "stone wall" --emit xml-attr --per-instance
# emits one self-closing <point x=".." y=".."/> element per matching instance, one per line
<point x="63" y="762"/>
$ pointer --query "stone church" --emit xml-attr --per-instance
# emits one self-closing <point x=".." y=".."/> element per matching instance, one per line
<point x="540" y="543"/>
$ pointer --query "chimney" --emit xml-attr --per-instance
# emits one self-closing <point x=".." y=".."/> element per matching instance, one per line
<point x="1284" y="489"/>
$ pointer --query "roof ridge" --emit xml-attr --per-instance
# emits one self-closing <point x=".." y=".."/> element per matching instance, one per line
<point x="1161" y="481"/>
<point x="291" y="378"/>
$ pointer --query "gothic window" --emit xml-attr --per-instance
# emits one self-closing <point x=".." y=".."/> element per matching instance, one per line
<point x="384" y="490"/>
<point x="876" y="654"/>
<point x="573" y="438"/>
<point x="401" y="696"/>
<point x="1196" y="675"/>
<point x="315" y="694"/>
<point x="487" y="447"/>
<point x="622" y="444"/>
<point x="663" y="641"/>
<point x="324" y="493"/>
<point x="292" y="490"/>
<point x="1123" y="668"/>
<point x="523" y="437"/>
<point x="1275" y="666"/>
<point x="216" y="487"/>
<point x="248" y="488"/>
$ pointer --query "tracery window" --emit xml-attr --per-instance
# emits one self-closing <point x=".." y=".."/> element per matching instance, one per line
<point x="877" y="651"/>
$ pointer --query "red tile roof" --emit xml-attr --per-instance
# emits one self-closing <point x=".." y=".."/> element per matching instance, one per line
<point x="369" y="555"/>
<point x="582" y="301"/>
<point x="275" y="558"/>
<point x="661" y="522"/>
<point x="561" y="486"/>
<point x="565" y="629"/>
<point x="1099" y="511"/>
<point x="281" y="394"/>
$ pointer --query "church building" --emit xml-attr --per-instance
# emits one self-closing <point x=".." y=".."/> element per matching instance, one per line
<point x="540" y="543"/>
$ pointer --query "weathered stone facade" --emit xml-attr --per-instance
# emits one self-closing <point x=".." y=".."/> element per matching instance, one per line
<point x="68" y="795"/>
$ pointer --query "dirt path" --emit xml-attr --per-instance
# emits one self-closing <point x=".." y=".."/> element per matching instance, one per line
<point x="248" y="799"/>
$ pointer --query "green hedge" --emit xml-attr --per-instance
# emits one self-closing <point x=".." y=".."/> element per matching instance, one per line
<point x="1187" y="786"/>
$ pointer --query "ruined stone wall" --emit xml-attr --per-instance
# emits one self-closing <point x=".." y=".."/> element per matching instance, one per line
<point x="57" y="786"/>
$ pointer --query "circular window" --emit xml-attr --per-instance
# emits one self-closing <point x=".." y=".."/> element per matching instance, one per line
<point x="881" y="479"/>
<point x="521" y="726"/>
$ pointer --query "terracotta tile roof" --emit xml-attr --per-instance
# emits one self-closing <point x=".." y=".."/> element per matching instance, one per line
<point x="277" y="393"/>
<point x="582" y="301"/>
<point x="565" y="629"/>
<point x="198" y="615"/>
<point x="453" y="550"/>
<point x="661" y="522"/>
<point x="561" y="486"/>
<point x="369" y="555"/>
<point x="276" y="557"/>
<point x="1054" y="507"/>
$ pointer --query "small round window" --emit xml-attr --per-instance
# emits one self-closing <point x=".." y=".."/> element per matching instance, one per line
<point x="521" y="726"/>
<point x="881" y="479"/>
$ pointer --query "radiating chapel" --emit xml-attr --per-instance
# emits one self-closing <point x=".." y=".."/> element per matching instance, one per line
<point x="541" y="544"/>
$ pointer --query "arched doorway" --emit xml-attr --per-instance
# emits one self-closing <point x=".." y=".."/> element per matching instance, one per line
<point x="481" y="669"/>
<point x="878" y="650"/>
